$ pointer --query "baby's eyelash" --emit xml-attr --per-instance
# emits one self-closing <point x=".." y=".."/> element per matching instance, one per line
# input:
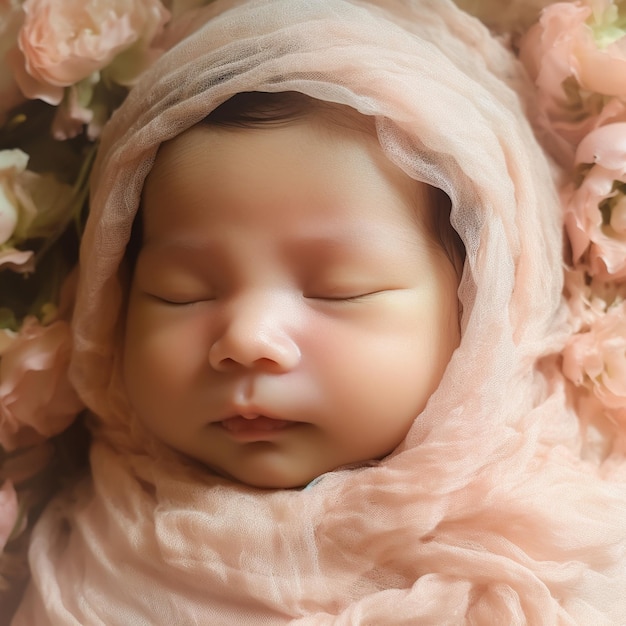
<point x="170" y="302"/>
<point x="353" y="298"/>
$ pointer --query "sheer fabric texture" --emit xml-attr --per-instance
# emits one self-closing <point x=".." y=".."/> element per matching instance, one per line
<point x="491" y="511"/>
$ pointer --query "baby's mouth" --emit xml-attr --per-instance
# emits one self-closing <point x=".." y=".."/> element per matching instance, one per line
<point x="239" y="423"/>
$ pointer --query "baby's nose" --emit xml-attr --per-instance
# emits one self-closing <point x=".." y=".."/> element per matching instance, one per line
<point x="257" y="332"/>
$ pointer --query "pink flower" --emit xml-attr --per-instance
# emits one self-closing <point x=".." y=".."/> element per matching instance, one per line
<point x="8" y="512"/>
<point x="10" y="20"/>
<point x="22" y="465"/>
<point x="601" y="50"/>
<point x="596" y="359"/>
<point x="36" y="398"/>
<point x="63" y="42"/>
<point x="504" y="16"/>
<point x="576" y="54"/>
<point x="178" y="7"/>
<point x="17" y="209"/>
<point x="86" y="104"/>
<point x="586" y="301"/>
<point x="31" y="206"/>
<point x="595" y="212"/>
<point x="22" y="261"/>
<point x="16" y="204"/>
<point x="74" y="113"/>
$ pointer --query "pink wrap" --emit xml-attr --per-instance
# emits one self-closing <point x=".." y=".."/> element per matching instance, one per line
<point x="494" y="510"/>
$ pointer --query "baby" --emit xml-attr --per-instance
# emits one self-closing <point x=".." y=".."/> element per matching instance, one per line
<point x="293" y="305"/>
<point x="312" y="403"/>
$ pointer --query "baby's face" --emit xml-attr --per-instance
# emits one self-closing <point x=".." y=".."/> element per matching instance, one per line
<point x="288" y="315"/>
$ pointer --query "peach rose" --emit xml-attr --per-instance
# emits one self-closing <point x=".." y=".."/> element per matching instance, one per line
<point x="589" y="299"/>
<point x="15" y="203"/>
<point x="576" y="54"/>
<point x="505" y="16"/>
<point x="178" y="7"/>
<point x="601" y="52"/>
<point x="595" y="212"/>
<point x="10" y="21"/>
<point x="6" y="339"/>
<point x="22" y="261"/>
<point x="74" y="113"/>
<point x="62" y="42"/>
<point x="31" y="206"/>
<point x="596" y="359"/>
<point x="37" y="400"/>
<point x="17" y="210"/>
<point x="574" y="39"/>
<point x="86" y="104"/>
<point x="8" y="512"/>
<point x="22" y="465"/>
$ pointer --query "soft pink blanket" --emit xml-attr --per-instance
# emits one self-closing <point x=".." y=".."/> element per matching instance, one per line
<point x="489" y="512"/>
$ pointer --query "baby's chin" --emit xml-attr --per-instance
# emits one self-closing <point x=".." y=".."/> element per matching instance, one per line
<point x="281" y="478"/>
<point x="268" y="482"/>
<point x="270" y="478"/>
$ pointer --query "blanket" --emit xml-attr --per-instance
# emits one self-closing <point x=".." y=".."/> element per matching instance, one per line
<point x="492" y="510"/>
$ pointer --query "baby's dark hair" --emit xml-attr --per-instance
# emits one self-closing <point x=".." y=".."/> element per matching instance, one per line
<point x="258" y="109"/>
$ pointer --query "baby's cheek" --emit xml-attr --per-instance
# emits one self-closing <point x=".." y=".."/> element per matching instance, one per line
<point x="155" y="354"/>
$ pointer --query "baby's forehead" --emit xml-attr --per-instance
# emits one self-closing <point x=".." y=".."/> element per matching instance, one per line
<point x="247" y="171"/>
<point x="325" y="141"/>
<point x="331" y="122"/>
<point x="262" y="127"/>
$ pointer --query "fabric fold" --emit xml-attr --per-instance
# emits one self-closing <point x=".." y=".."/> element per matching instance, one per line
<point x="486" y="513"/>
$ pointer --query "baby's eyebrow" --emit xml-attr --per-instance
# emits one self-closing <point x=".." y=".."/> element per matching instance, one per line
<point x="362" y="239"/>
<point x="327" y="242"/>
<point x="178" y="250"/>
<point x="331" y="239"/>
<point x="178" y="245"/>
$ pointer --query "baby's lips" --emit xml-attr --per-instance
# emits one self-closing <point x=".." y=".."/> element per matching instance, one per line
<point x="240" y="423"/>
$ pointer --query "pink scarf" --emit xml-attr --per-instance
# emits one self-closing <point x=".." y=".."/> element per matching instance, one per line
<point x="488" y="512"/>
